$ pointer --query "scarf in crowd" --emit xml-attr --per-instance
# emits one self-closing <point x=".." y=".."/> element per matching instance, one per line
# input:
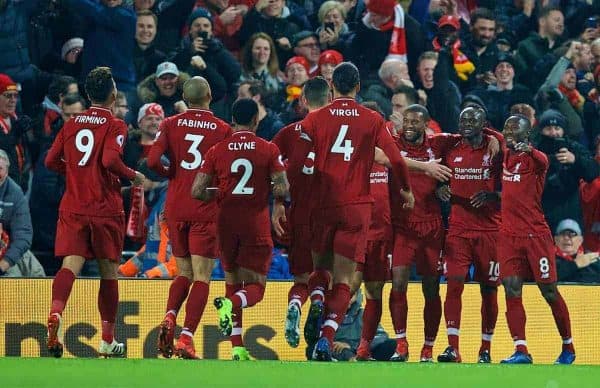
<point x="563" y="255"/>
<point x="575" y="98"/>
<point x="292" y="92"/>
<point x="462" y="65"/>
<point x="397" y="48"/>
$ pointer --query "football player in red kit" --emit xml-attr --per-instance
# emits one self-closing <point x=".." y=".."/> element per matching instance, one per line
<point x="474" y="193"/>
<point x="343" y="135"/>
<point x="244" y="166"/>
<point x="91" y="222"/>
<point x="525" y="246"/>
<point x="315" y="94"/>
<point x="184" y="139"/>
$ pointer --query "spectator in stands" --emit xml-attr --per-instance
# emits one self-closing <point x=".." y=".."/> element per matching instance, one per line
<point x="442" y="95"/>
<point x="538" y="44"/>
<point x="171" y="15"/>
<point x="573" y="264"/>
<point x="595" y="49"/>
<point x="296" y="71"/>
<point x="376" y="32"/>
<point x="109" y="39"/>
<point x="393" y="73"/>
<point x="49" y="121"/>
<point x="590" y="202"/>
<point x="274" y="18"/>
<point x="333" y="31"/>
<point x="165" y="88"/>
<point x="228" y="16"/>
<point x="16" y="133"/>
<point x="402" y="97"/>
<point x="517" y="16"/>
<point x="269" y="122"/>
<point x="200" y="53"/>
<point x="139" y="141"/>
<point x="591" y="30"/>
<point x="121" y="107"/>
<point x="526" y="110"/>
<point x="479" y="45"/>
<point x="569" y="163"/>
<point x="306" y="45"/>
<point x="48" y="187"/>
<point x="328" y="60"/>
<point x="355" y="9"/>
<point x="260" y="62"/>
<point x="145" y="55"/>
<point x="499" y="96"/>
<point x="71" y="57"/>
<point x="15" y="228"/>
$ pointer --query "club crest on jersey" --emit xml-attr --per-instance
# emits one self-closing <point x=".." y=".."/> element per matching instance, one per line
<point x="120" y="140"/>
<point x="157" y="135"/>
<point x="486" y="160"/>
<point x="430" y="154"/>
<point x="403" y="154"/>
<point x="458" y="159"/>
<point x="516" y="169"/>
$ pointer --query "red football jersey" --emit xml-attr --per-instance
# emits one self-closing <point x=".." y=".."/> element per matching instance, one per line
<point x="590" y="203"/>
<point x="381" y="227"/>
<point x="185" y="138"/>
<point x="427" y="205"/>
<point x="523" y="181"/>
<point x="473" y="170"/>
<point x="88" y="150"/>
<point x="242" y="165"/>
<point x="343" y="135"/>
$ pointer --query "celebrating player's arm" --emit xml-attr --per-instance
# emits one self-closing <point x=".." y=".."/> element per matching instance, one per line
<point x="280" y="192"/>
<point x="433" y="168"/>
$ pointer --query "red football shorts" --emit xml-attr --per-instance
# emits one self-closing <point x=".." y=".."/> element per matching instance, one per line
<point x="376" y="267"/>
<point x="342" y="229"/>
<point x="193" y="238"/>
<point x="529" y="258"/>
<point x="420" y="245"/>
<point x="90" y="236"/>
<point x="299" y="255"/>
<point x="245" y="250"/>
<point x="478" y="249"/>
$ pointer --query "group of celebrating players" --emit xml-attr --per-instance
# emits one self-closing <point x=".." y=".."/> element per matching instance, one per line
<point x="345" y="216"/>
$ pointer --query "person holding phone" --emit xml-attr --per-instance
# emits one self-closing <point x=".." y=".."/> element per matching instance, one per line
<point x="333" y="33"/>
<point x="569" y="162"/>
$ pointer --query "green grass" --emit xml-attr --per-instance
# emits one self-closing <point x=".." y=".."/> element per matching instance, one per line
<point x="65" y="373"/>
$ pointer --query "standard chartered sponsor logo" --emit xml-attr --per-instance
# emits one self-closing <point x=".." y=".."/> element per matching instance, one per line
<point x="471" y="173"/>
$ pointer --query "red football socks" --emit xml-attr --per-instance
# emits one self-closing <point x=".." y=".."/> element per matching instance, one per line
<point x="248" y="296"/>
<point x="432" y="314"/>
<point x="298" y="294"/>
<point x="335" y="306"/>
<point x="560" y="312"/>
<point x="452" y="310"/>
<point x="318" y="284"/>
<point x="516" y="318"/>
<point x="399" y="312"/>
<point x="194" y="307"/>
<point x="108" y="303"/>
<point x="61" y="289"/>
<point x="371" y="318"/>
<point x="177" y="293"/>
<point x="489" y="317"/>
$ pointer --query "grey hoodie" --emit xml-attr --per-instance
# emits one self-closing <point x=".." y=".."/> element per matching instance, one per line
<point x="16" y="220"/>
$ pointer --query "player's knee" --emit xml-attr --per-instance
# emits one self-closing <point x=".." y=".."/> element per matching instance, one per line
<point x="374" y="290"/>
<point x="431" y="288"/>
<point x="550" y="293"/>
<point x="455" y="287"/>
<point x="400" y="285"/>
<point x="487" y="289"/>
<point x="186" y="272"/>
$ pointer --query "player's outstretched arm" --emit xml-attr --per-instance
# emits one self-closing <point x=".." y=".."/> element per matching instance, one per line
<point x="280" y="192"/>
<point x="200" y="189"/>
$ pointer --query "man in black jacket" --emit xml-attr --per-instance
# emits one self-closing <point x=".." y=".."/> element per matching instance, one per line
<point x="572" y="263"/>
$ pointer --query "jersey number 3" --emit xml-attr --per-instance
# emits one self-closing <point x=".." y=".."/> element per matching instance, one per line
<point x="342" y="145"/>
<point x="194" y="151"/>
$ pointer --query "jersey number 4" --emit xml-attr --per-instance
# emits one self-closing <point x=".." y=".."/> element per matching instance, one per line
<point x="194" y="150"/>
<point x="241" y="188"/>
<point x="342" y="145"/>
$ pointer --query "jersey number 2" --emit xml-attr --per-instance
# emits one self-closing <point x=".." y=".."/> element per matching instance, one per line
<point x="241" y="188"/>
<point x="342" y="145"/>
<point x="194" y="150"/>
<point x="84" y="142"/>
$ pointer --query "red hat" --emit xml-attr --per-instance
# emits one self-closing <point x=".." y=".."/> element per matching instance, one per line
<point x="6" y="84"/>
<point x="330" y="56"/>
<point x="300" y="60"/>
<point x="449" y="20"/>
<point x="382" y="7"/>
<point x="151" y="109"/>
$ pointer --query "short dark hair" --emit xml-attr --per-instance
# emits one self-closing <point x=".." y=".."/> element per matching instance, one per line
<point x="59" y="86"/>
<point x="412" y="97"/>
<point x="521" y="117"/>
<point x="316" y="91"/>
<point x="545" y="11"/>
<point x="255" y="87"/>
<point x="99" y="84"/>
<point x="482" y="13"/>
<point x="417" y="108"/>
<point x="73" y="98"/>
<point x="243" y="111"/>
<point x="345" y="77"/>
